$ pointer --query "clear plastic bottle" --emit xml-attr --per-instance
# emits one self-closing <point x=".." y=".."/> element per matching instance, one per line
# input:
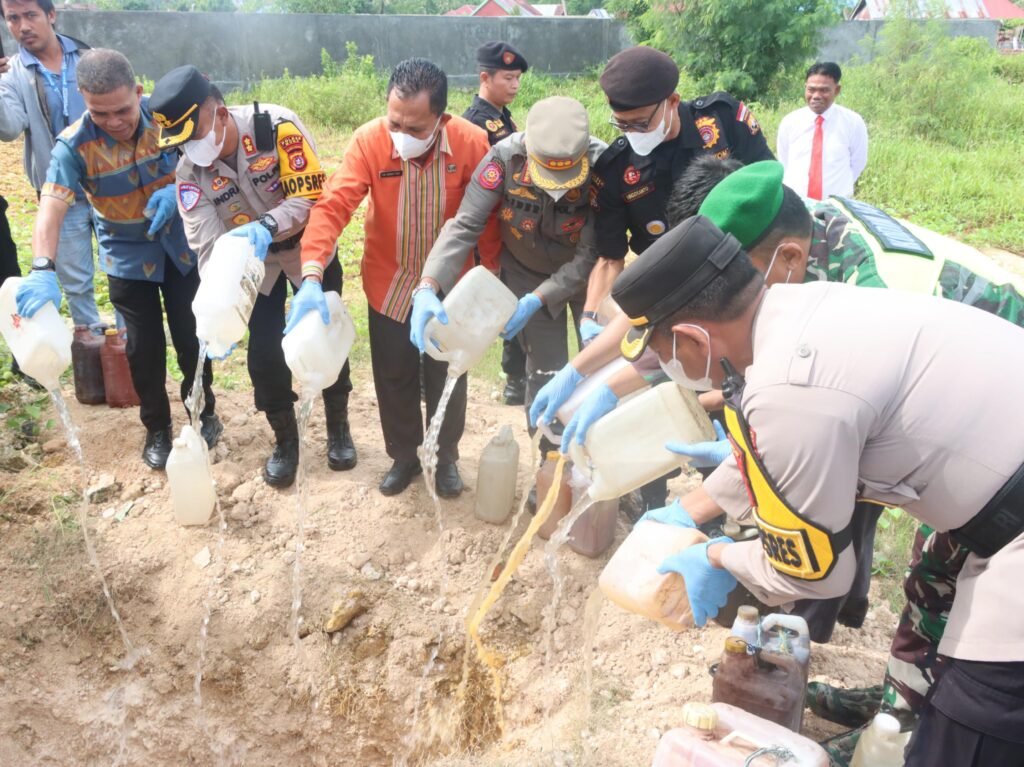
<point x="563" y="502"/>
<point x="882" y="744"/>
<point x="188" y="475"/>
<point x="315" y="352"/>
<point x="478" y="307"/>
<point x="41" y="344"/>
<point x="747" y="625"/>
<point x="228" y="285"/>
<point x="496" y="478"/>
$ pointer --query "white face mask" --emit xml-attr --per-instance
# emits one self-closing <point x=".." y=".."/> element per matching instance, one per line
<point x="205" y="151"/>
<point x="772" y="263"/>
<point x="409" y="147"/>
<point x="674" y="368"/>
<point x="645" y="143"/>
<point x="556" y="194"/>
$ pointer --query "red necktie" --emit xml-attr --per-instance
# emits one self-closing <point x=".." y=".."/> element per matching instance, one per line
<point x="814" y="180"/>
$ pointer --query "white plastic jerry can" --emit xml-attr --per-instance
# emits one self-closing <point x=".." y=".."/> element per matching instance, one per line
<point x="228" y="285"/>
<point x="496" y="478"/>
<point x="188" y="474"/>
<point x="625" y="449"/>
<point x="41" y="344"/>
<point x="586" y="386"/>
<point x="478" y="308"/>
<point x="315" y="352"/>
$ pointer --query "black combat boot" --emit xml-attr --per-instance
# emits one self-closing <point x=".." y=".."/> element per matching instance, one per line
<point x="282" y="464"/>
<point x="341" y="452"/>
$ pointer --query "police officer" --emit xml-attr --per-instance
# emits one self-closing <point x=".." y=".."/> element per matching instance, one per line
<point x="823" y="410"/>
<point x="538" y="182"/>
<point x="254" y="171"/>
<point x="662" y="134"/>
<point x="501" y="66"/>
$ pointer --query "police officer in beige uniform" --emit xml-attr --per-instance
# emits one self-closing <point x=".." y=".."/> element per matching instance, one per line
<point x="538" y="182"/>
<point x="896" y="408"/>
<point x="254" y="172"/>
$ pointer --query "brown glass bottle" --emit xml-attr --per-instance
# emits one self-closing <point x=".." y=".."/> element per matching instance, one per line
<point x="563" y="503"/>
<point x="765" y="684"/>
<point x="87" y="366"/>
<point x="117" y="378"/>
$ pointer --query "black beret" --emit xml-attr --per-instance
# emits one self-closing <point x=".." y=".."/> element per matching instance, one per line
<point x="499" y="55"/>
<point x="670" y="274"/>
<point x="639" y="77"/>
<point x="175" y="103"/>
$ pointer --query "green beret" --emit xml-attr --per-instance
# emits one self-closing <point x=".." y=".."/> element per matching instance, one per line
<point x="746" y="202"/>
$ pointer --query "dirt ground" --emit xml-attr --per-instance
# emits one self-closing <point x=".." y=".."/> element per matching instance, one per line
<point x="361" y="696"/>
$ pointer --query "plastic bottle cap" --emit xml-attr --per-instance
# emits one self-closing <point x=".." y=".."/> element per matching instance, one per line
<point x="748" y="614"/>
<point x="700" y="716"/>
<point x="735" y="645"/>
<point x="731" y="529"/>
<point x="886" y="724"/>
<point x="110" y="332"/>
<point x="553" y="455"/>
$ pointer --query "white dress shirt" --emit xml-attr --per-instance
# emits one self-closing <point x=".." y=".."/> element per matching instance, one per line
<point x="844" y="149"/>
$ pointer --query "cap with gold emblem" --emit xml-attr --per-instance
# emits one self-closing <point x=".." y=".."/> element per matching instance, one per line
<point x="670" y="274"/>
<point x="639" y="77"/>
<point x="557" y="140"/>
<point x="175" y="103"/>
<point x="499" y="55"/>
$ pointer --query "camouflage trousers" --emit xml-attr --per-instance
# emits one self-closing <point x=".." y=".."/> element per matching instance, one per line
<point x="930" y="587"/>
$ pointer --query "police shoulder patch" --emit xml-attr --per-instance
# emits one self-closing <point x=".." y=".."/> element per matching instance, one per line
<point x="491" y="176"/>
<point x="188" y="195"/>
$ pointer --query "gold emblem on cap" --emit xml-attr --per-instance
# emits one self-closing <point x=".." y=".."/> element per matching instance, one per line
<point x="577" y="180"/>
<point x="634" y="343"/>
<point x="166" y="124"/>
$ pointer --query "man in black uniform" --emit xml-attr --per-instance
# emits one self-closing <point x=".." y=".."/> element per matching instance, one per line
<point x="501" y="66"/>
<point x="635" y="175"/>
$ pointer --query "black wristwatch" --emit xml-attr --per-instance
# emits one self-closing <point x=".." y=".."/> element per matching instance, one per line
<point x="590" y="316"/>
<point x="269" y="224"/>
<point x="43" y="264"/>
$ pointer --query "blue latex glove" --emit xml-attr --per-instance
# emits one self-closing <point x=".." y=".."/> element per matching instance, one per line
<point x="223" y="356"/>
<point x="589" y="330"/>
<point x="554" y="394"/>
<point x="35" y="291"/>
<point x="309" y="298"/>
<point x="600" y="402"/>
<point x="425" y="307"/>
<point x="704" y="455"/>
<point x="707" y="587"/>
<point x="259" y="237"/>
<point x="528" y="306"/>
<point x="673" y="514"/>
<point x="160" y="209"/>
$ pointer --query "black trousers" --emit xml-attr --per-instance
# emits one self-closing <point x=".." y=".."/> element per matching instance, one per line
<point x="8" y="250"/>
<point x="270" y="376"/>
<point x="513" y="359"/>
<point x="974" y="718"/>
<point x="396" y="377"/>
<point x="138" y="301"/>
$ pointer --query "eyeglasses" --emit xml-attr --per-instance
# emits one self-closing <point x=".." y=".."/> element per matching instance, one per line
<point x="634" y="127"/>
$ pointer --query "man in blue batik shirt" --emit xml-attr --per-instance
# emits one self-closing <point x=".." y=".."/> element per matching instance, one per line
<point x="39" y="98"/>
<point x="112" y="154"/>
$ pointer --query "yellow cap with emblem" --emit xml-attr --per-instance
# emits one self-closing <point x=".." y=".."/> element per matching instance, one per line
<point x="175" y="103"/>
<point x="557" y="139"/>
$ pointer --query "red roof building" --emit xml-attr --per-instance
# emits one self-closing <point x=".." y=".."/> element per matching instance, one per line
<point x="954" y="9"/>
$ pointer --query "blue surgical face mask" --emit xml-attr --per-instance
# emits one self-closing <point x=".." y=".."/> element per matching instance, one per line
<point x="674" y="368"/>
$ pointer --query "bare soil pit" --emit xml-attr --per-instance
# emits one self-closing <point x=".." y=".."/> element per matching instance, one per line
<point x="367" y="694"/>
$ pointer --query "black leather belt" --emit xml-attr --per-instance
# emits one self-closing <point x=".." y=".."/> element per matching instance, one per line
<point x="291" y="242"/>
<point x="998" y="523"/>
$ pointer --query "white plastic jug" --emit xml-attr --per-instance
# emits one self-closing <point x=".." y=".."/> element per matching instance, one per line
<point x="478" y="308"/>
<point x="720" y="735"/>
<point x="188" y="474"/>
<point x="626" y="449"/>
<point x="228" y="285"/>
<point x="632" y="581"/>
<point x="496" y="478"/>
<point x="882" y="744"/>
<point x="788" y="635"/>
<point x="588" y="385"/>
<point x="41" y="344"/>
<point x="315" y="352"/>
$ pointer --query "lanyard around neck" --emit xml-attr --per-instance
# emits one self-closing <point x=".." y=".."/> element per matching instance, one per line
<point x="62" y="87"/>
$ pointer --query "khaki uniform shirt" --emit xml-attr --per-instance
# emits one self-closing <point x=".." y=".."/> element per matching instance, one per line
<point x="217" y="199"/>
<point x="897" y="398"/>
<point x="550" y="238"/>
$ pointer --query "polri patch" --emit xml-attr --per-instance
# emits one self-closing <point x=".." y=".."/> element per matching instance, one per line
<point x="219" y="183"/>
<point x="491" y="176"/>
<point x="631" y="176"/>
<point x="293" y="145"/>
<point x="189" y="195"/>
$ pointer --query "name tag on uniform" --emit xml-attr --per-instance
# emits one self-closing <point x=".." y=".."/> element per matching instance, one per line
<point x="389" y="173"/>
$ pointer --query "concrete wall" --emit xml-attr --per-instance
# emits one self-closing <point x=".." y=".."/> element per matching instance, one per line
<point x="857" y="39"/>
<point x="241" y="48"/>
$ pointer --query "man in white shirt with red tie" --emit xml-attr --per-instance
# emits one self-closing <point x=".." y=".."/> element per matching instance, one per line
<point x="824" y="146"/>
